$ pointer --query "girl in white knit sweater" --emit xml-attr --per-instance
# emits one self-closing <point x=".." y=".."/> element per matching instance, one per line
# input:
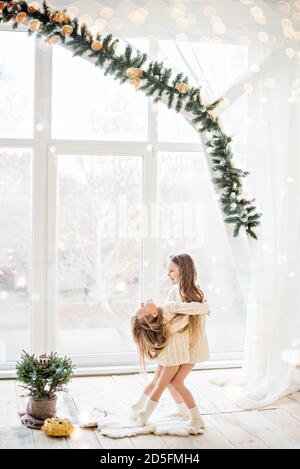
<point x="173" y="334"/>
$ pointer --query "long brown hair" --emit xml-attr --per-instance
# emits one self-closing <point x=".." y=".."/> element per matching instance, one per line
<point x="150" y="334"/>
<point x="189" y="291"/>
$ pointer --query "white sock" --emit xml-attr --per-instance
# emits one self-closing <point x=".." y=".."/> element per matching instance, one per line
<point x="182" y="408"/>
<point x="145" y="414"/>
<point x="194" y="413"/>
<point x="140" y="403"/>
<point x="196" y="421"/>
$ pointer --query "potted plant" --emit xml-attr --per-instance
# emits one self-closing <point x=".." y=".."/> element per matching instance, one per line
<point x="43" y="377"/>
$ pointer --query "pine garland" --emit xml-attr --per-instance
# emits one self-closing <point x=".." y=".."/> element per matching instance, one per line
<point x="154" y="80"/>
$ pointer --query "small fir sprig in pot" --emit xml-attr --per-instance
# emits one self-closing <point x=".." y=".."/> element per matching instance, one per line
<point x="44" y="376"/>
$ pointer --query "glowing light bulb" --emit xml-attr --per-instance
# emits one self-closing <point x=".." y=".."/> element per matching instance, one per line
<point x="256" y="11"/>
<point x="262" y="36"/>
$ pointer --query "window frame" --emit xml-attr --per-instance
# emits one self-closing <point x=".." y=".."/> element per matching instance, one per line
<point x="44" y="212"/>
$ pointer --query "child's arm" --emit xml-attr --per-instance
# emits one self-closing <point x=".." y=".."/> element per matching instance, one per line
<point x="192" y="308"/>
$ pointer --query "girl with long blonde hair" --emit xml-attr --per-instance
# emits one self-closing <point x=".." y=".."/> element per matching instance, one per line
<point x="174" y="335"/>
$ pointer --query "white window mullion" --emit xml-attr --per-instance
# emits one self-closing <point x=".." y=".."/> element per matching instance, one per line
<point x="150" y="215"/>
<point x="39" y="229"/>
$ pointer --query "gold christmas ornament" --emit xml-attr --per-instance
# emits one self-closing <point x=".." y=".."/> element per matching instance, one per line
<point x="21" y="17"/>
<point x="54" y="40"/>
<point x="134" y="72"/>
<point x="131" y="73"/>
<point x="66" y="30"/>
<point x="65" y="18"/>
<point x="34" y="25"/>
<point x="60" y="17"/>
<point x="2" y="5"/>
<point x="182" y="88"/>
<point x="96" y="45"/>
<point x="33" y="7"/>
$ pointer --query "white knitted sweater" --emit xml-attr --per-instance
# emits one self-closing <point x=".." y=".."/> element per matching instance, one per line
<point x="177" y="350"/>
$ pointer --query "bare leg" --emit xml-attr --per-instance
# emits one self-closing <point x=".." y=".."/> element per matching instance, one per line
<point x="140" y="404"/>
<point x="166" y="375"/>
<point x="178" y="384"/>
<point x="196" y="422"/>
<point x="149" y="388"/>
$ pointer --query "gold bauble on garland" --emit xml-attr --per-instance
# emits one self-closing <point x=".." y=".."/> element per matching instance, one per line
<point x="21" y="17"/>
<point x="61" y="17"/>
<point x="66" y="30"/>
<point x="182" y="88"/>
<point x="33" y="7"/>
<point x="34" y="25"/>
<point x="134" y="72"/>
<point x="96" y="45"/>
<point x="131" y="73"/>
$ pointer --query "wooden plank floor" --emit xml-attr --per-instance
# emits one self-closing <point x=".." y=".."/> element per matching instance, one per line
<point x="277" y="426"/>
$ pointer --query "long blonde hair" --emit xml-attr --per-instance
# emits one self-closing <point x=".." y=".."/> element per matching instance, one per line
<point x="189" y="291"/>
<point x="150" y="335"/>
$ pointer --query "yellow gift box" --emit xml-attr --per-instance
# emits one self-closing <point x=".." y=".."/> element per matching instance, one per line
<point x="58" y="427"/>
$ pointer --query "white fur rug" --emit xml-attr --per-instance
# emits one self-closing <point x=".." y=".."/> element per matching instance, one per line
<point x="117" y="423"/>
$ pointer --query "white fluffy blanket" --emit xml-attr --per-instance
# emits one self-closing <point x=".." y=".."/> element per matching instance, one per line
<point x="117" y="423"/>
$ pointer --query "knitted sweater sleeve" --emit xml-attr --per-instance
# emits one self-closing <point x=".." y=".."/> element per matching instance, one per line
<point x="192" y="308"/>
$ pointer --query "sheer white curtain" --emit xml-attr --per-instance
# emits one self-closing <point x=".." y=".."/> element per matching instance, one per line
<point x="271" y="79"/>
<point x="266" y="143"/>
<point x="273" y="319"/>
<point x="273" y="322"/>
